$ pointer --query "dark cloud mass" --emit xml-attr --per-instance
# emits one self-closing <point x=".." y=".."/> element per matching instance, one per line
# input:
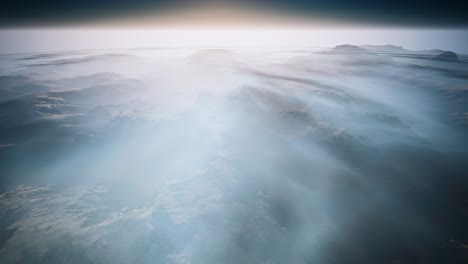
<point x="412" y="13"/>
<point x="399" y="12"/>
<point x="30" y="13"/>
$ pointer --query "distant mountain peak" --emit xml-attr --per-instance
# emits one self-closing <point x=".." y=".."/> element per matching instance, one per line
<point x="348" y="47"/>
<point x="447" y="56"/>
<point x="385" y="48"/>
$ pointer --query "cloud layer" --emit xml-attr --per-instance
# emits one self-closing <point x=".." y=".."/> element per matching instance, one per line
<point x="272" y="155"/>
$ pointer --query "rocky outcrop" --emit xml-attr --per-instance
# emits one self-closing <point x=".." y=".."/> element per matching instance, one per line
<point x="447" y="56"/>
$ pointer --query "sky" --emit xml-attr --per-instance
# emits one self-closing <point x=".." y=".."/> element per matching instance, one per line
<point x="430" y="13"/>
<point x="32" y="26"/>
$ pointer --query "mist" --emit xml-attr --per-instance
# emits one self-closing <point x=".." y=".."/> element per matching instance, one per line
<point x="231" y="36"/>
<point x="241" y="155"/>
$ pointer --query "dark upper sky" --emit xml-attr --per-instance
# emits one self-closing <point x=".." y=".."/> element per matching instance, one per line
<point x="429" y="13"/>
